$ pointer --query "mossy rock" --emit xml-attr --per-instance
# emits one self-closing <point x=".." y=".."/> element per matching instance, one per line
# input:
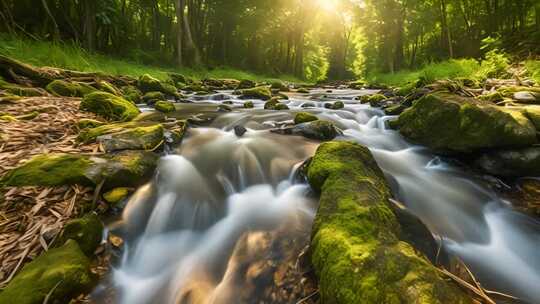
<point x="70" y="89"/>
<point x="321" y="130"/>
<point x="304" y="117"/>
<point x="153" y="116"/>
<point x="279" y="85"/>
<point x="153" y="97"/>
<point x="109" y="106"/>
<point x="86" y="123"/>
<point x="147" y="83"/>
<point x="176" y="134"/>
<point x="123" y="169"/>
<point x="281" y="107"/>
<point x="511" y="163"/>
<point x="132" y="94"/>
<point x="261" y="92"/>
<point x="20" y="90"/>
<point x="355" y="249"/>
<point x="91" y="134"/>
<point x="106" y="86"/>
<point x="139" y="138"/>
<point x="245" y="84"/>
<point x="249" y="105"/>
<point x="405" y="90"/>
<point x="395" y="110"/>
<point x="177" y="78"/>
<point x="87" y="231"/>
<point x="165" y="106"/>
<point x="453" y="124"/>
<point x="335" y="106"/>
<point x="59" y="274"/>
<point x="116" y="195"/>
<point x="271" y="104"/>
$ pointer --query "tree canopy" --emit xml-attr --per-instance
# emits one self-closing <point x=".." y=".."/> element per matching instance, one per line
<point x="311" y="39"/>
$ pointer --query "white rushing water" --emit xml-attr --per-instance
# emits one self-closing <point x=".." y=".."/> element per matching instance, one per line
<point x="218" y="190"/>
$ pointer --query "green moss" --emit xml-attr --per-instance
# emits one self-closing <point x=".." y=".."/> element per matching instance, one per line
<point x="63" y="272"/>
<point x="334" y="106"/>
<point x="271" y="104"/>
<point x="449" y="123"/>
<point x="148" y="83"/>
<point x="281" y="107"/>
<point x="132" y="94"/>
<point x="116" y="195"/>
<point x="356" y="253"/>
<point x="261" y="92"/>
<point x="7" y="118"/>
<point x="87" y="231"/>
<point x="406" y="89"/>
<point x="374" y="100"/>
<point x="303" y="117"/>
<point x="19" y="90"/>
<point x="86" y="123"/>
<point x="69" y="89"/>
<point x="128" y="169"/>
<point x="51" y="170"/>
<point x="138" y="138"/>
<point x="153" y="97"/>
<point x="246" y="84"/>
<point x="177" y="78"/>
<point x="150" y="117"/>
<point x="165" y="106"/>
<point x="249" y="105"/>
<point x="279" y="85"/>
<point x="109" y="106"/>
<point x="106" y="86"/>
<point x="9" y="98"/>
<point x="533" y="114"/>
<point x="90" y="134"/>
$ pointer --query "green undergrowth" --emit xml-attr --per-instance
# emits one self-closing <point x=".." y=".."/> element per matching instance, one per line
<point x="73" y="57"/>
<point x="533" y="69"/>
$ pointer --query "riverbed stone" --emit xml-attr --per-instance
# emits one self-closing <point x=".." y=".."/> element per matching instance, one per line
<point x="109" y="106"/>
<point x="122" y="169"/>
<point x="511" y="163"/>
<point x="262" y="92"/>
<point x="321" y="130"/>
<point x="59" y="274"/>
<point x="526" y="97"/>
<point x="245" y="84"/>
<point x="449" y="123"/>
<point x="139" y="138"/>
<point x="70" y="89"/>
<point x="355" y="249"/>
<point x="151" y="98"/>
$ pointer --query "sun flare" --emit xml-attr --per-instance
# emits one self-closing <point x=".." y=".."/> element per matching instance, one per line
<point x="328" y="5"/>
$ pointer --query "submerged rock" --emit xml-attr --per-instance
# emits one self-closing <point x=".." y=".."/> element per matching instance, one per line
<point x="109" y="106"/>
<point x="355" y="249"/>
<point x="140" y="138"/>
<point x="87" y="231"/>
<point x="511" y="163"/>
<point x="240" y="131"/>
<point x="450" y="123"/>
<point x="304" y="117"/>
<point x="335" y="106"/>
<point x="261" y="92"/>
<point x="318" y="130"/>
<point x="248" y="105"/>
<point x="70" y="89"/>
<point x="123" y="169"/>
<point x="58" y="275"/>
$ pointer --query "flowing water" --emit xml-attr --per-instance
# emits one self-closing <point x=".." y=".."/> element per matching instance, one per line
<point x="204" y="229"/>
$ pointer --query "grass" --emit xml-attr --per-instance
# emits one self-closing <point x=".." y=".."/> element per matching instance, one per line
<point x="431" y="72"/>
<point x="533" y="68"/>
<point x="73" y="57"/>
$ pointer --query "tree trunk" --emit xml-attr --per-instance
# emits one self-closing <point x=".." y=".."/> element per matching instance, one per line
<point x="56" y="31"/>
<point x="447" y="38"/>
<point x="190" y="44"/>
<point x="90" y="24"/>
<point x="179" y="31"/>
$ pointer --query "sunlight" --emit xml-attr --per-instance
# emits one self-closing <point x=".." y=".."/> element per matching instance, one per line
<point x="328" y="5"/>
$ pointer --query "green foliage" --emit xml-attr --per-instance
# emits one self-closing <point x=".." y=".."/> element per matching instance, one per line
<point x="495" y="65"/>
<point x="533" y="69"/>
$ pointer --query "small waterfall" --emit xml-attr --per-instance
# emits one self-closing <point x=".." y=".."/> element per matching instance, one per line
<point x="201" y="231"/>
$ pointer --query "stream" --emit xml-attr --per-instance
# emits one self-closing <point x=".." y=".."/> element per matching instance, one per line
<point x="223" y="209"/>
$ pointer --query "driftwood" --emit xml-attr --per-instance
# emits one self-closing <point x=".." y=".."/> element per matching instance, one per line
<point x="27" y="75"/>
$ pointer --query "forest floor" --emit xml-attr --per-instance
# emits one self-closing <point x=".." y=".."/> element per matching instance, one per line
<point x="72" y="57"/>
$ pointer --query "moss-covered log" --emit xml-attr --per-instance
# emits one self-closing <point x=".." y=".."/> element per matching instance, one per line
<point x="355" y="248"/>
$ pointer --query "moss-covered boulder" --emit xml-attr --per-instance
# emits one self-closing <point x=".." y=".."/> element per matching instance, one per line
<point x="304" y="117"/>
<point x="355" y="249"/>
<point x="123" y="169"/>
<point x="279" y="85"/>
<point x="150" y="117"/>
<point x="335" y="105"/>
<point x="374" y="100"/>
<point x="492" y="97"/>
<point x="108" y="87"/>
<point x="450" y="123"/>
<point x="59" y="274"/>
<point x="132" y="94"/>
<point x="165" y="106"/>
<point x="271" y="104"/>
<point x="151" y="98"/>
<point x="249" y="105"/>
<point x="139" y="138"/>
<point x="245" y="84"/>
<point x="178" y="78"/>
<point x="70" y="89"/>
<point x="109" y="106"/>
<point x="281" y="107"/>
<point x="395" y="109"/>
<point x="147" y="83"/>
<point x="261" y="92"/>
<point x="18" y="90"/>
<point x="91" y="134"/>
<point x="87" y="231"/>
